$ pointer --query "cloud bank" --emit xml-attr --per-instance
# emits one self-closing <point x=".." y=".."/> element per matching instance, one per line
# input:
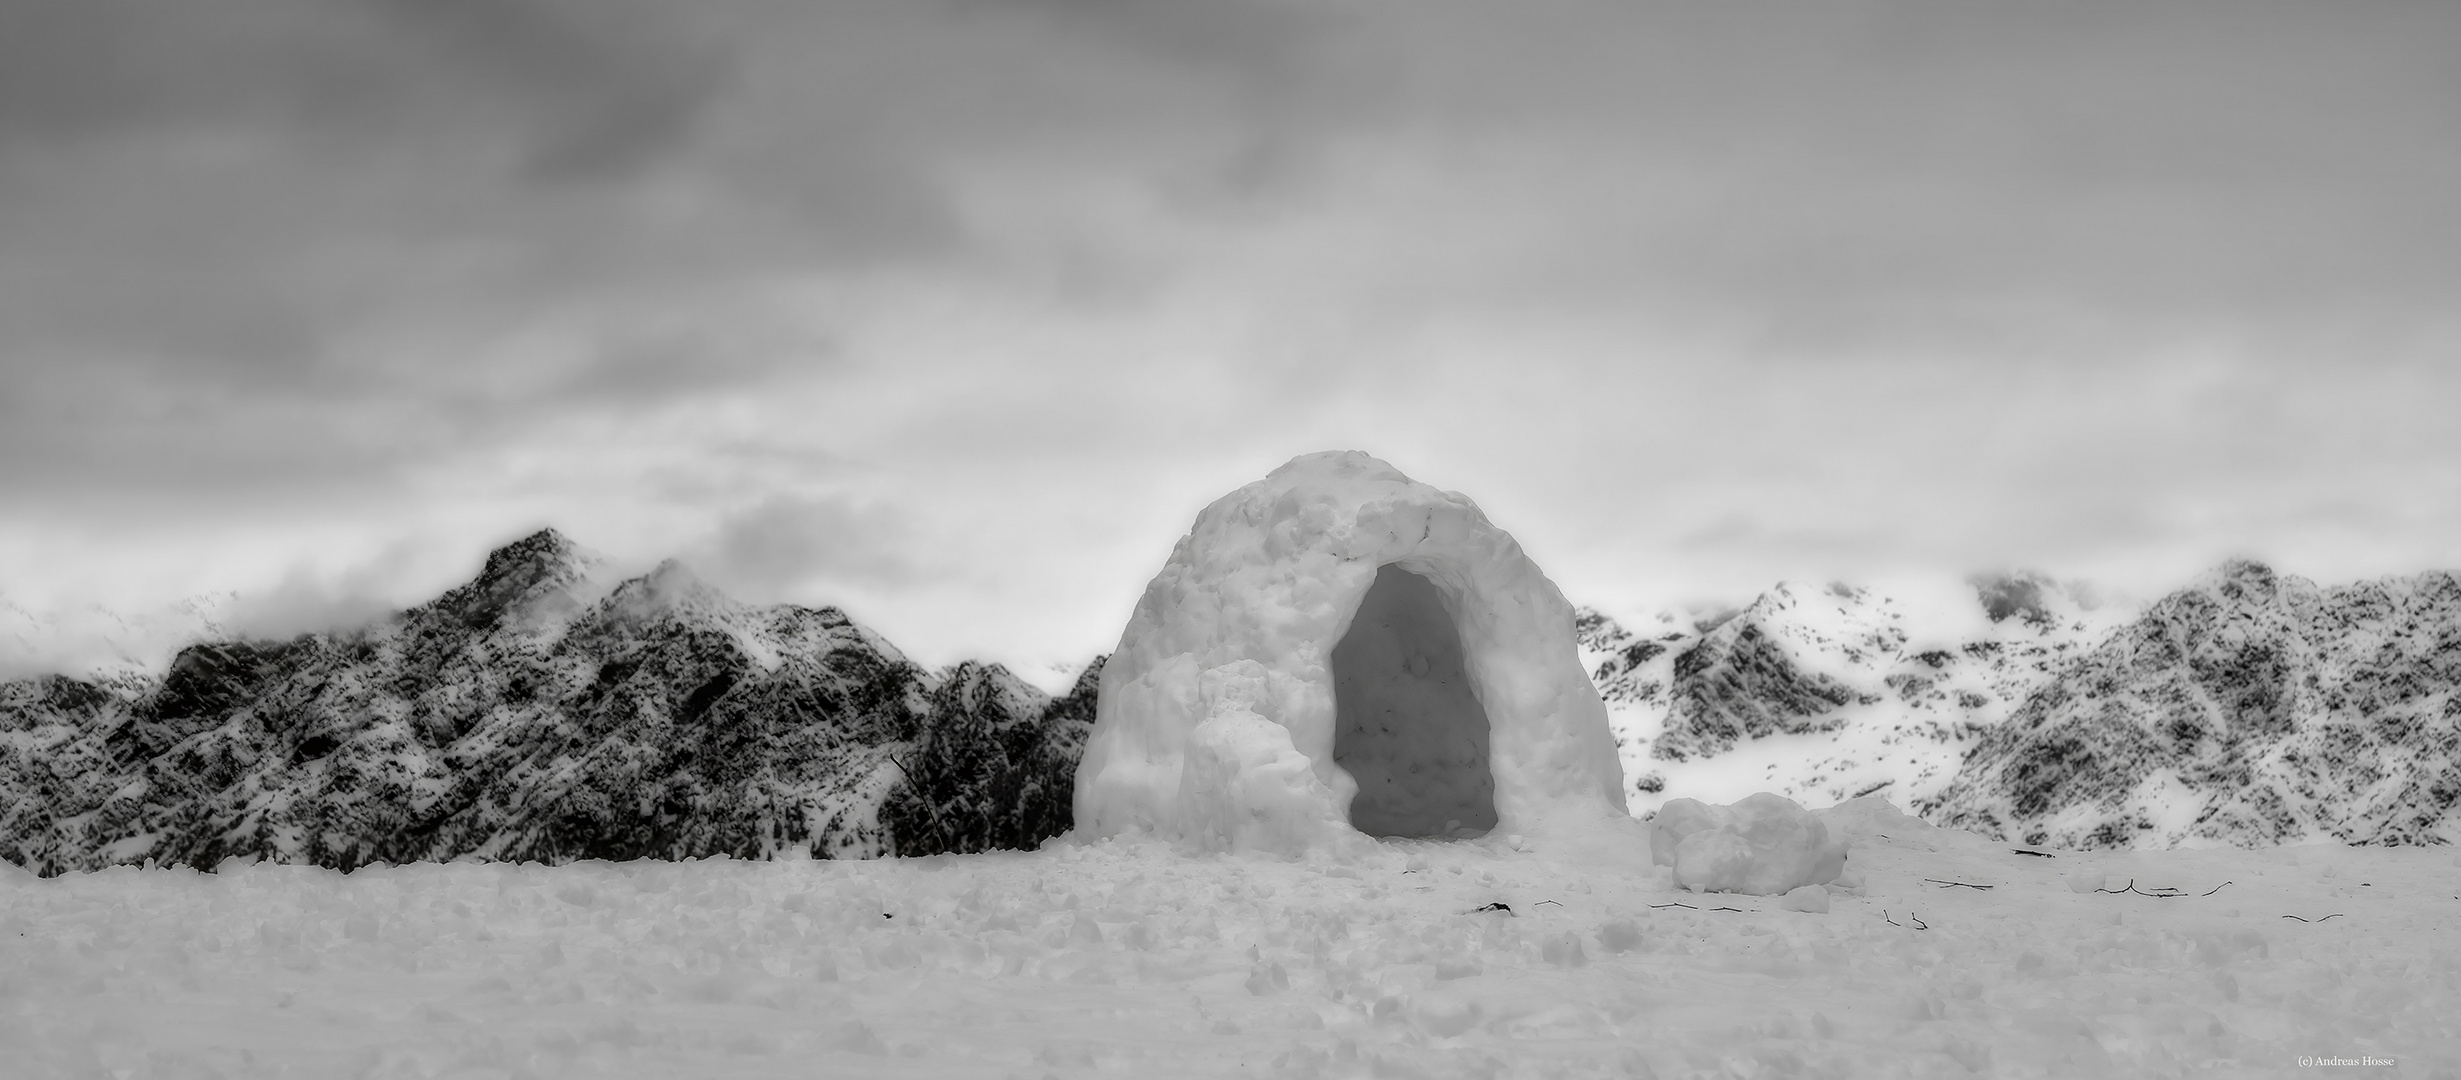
<point x="956" y="312"/>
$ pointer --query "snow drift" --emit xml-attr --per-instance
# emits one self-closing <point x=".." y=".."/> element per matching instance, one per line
<point x="1338" y="650"/>
<point x="1766" y="845"/>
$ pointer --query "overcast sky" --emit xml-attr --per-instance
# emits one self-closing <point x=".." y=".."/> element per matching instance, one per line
<point x="954" y="314"/>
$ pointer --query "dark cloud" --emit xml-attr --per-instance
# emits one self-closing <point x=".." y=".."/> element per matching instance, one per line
<point x="615" y="86"/>
<point x="238" y="192"/>
<point x="580" y="89"/>
<point x="1282" y="65"/>
<point x="231" y="231"/>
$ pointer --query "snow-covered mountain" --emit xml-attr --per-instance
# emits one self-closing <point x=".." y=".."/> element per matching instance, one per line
<point x="545" y="711"/>
<point x="539" y="713"/>
<point x="2250" y="708"/>
<point x="1825" y="692"/>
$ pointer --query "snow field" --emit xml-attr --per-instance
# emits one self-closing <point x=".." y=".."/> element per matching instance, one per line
<point x="1125" y="960"/>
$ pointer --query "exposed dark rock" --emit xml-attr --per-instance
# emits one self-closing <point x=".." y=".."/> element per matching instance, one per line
<point x="523" y="717"/>
<point x="1834" y="661"/>
<point x="995" y="768"/>
<point x="1745" y="678"/>
<point x="2253" y="708"/>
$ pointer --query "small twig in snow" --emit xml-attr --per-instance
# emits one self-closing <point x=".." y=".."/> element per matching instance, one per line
<point x="1547" y="902"/>
<point x="1955" y="884"/>
<point x="1497" y="906"/>
<point x="2334" y="915"/>
<point x="2160" y="892"/>
<point x="2036" y="854"/>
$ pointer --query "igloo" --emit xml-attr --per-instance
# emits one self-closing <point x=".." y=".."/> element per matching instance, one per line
<point x="1337" y="651"/>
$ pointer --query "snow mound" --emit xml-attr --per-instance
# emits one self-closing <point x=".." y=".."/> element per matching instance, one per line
<point x="1336" y="651"/>
<point x="1766" y="845"/>
<point x="1866" y="816"/>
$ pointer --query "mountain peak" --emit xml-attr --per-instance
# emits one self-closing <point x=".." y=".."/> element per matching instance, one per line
<point x="543" y="562"/>
<point x="533" y="556"/>
<point x="2247" y="579"/>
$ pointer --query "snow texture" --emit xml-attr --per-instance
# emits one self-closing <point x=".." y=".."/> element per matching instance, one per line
<point x="1766" y="845"/>
<point x="1326" y="649"/>
<point x="1952" y="956"/>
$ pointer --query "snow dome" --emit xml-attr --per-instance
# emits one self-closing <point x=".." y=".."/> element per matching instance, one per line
<point x="1337" y="650"/>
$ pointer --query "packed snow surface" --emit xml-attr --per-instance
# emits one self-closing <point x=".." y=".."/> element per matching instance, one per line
<point x="1221" y="723"/>
<point x="1940" y="954"/>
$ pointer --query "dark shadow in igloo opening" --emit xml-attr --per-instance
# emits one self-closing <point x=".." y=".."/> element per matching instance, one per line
<point x="1406" y="725"/>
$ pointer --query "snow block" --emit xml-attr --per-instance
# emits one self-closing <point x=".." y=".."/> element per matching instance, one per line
<point x="1811" y="898"/>
<point x="1337" y="651"/>
<point x="1866" y="816"/>
<point x="1766" y="845"/>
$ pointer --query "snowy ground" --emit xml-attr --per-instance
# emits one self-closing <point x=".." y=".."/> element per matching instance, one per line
<point x="1119" y="961"/>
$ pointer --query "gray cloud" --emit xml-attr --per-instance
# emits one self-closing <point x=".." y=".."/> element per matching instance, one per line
<point x="1882" y="277"/>
<point x="1992" y="178"/>
<point x="780" y="546"/>
<point x="304" y="602"/>
<point x="251" y="196"/>
<point x="582" y="89"/>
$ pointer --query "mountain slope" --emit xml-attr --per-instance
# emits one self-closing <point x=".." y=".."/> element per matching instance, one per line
<point x="1826" y="692"/>
<point x="526" y="715"/>
<point x="2251" y="708"/>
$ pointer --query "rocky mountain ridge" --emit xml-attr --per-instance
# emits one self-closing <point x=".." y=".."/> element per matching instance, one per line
<point x="541" y="711"/>
<point x="534" y="714"/>
<point x="1826" y="692"/>
<point x="2250" y="708"/>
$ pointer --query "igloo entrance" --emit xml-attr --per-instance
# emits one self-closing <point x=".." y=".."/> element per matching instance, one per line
<point x="1406" y="725"/>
